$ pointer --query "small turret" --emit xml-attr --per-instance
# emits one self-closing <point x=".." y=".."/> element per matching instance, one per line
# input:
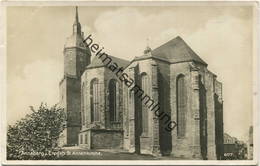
<point x="147" y="50"/>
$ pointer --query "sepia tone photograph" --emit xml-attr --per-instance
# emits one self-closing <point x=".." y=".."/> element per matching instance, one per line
<point x="130" y="82"/>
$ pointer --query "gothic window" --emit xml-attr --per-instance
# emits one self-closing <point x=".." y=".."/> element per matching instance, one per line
<point x="113" y="100"/>
<point x="94" y="100"/>
<point x="82" y="104"/>
<point x="181" y="106"/>
<point x="145" y="87"/>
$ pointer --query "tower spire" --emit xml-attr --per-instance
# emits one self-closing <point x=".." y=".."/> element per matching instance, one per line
<point x="77" y="16"/>
<point x="76" y="25"/>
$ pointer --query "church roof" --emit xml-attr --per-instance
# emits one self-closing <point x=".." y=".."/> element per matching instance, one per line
<point x="175" y="50"/>
<point x="97" y="62"/>
<point x="75" y="40"/>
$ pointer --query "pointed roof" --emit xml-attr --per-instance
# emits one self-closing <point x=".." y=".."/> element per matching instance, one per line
<point x="77" y="15"/>
<point x="97" y="62"/>
<point x="174" y="51"/>
<point x="76" y="25"/>
<point x="76" y="39"/>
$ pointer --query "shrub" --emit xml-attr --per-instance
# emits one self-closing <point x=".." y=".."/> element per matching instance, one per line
<point x="36" y="135"/>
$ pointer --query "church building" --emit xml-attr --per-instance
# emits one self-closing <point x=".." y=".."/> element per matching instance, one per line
<point x="105" y="112"/>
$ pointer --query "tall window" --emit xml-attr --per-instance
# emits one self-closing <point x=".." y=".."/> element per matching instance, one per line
<point x="145" y="88"/>
<point x="113" y="100"/>
<point x="94" y="100"/>
<point x="82" y="104"/>
<point x="181" y="105"/>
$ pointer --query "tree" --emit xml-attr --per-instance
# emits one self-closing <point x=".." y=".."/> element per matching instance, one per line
<point x="36" y="135"/>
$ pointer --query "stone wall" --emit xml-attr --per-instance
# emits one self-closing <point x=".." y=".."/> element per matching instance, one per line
<point x="101" y="139"/>
<point x="188" y="146"/>
<point x="63" y="104"/>
<point x="70" y="101"/>
<point x="164" y="100"/>
<point x="209" y="82"/>
<point x="162" y="77"/>
<point x="73" y="102"/>
<point x="108" y="76"/>
<point x="129" y="113"/>
<point x="104" y="75"/>
<point x="144" y="66"/>
<point x="73" y="110"/>
<point x="219" y="119"/>
<point x="72" y="135"/>
<point x="102" y="134"/>
<point x="86" y="78"/>
<point x="75" y="61"/>
<point x="70" y="62"/>
<point x="135" y="140"/>
<point x="106" y="139"/>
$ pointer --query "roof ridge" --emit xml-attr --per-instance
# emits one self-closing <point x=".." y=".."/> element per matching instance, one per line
<point x="97" y="61"/>
<point x="177" y="50"/>
<point x="177" y="37"/>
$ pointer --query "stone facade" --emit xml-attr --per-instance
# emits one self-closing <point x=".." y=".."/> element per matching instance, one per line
<point x="76" y="58"/>
<point x="115" y="115"/>
<point x="103" y="128"/>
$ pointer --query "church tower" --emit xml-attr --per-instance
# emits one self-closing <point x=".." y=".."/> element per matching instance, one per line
<point x="76" y="58"/>
<point x="76" y="54"/>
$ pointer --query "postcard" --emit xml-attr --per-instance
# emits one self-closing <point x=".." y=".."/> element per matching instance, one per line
<point x="151" y="82"/>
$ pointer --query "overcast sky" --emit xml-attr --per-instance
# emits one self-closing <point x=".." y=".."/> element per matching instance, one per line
<point x="222" y="36"/>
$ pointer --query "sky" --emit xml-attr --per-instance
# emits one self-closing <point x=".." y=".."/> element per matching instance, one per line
<point x="220" y="35"/>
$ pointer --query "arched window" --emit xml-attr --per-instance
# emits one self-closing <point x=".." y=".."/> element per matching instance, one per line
<point x="94" y="100"/>
<point x="113" y="88"/>
<point x="82" y="105"/>
<point x="145" y="87"/>
<point x="181" y="105"/>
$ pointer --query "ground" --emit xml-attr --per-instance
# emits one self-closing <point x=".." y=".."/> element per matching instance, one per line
<point x="77" y="153"/>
